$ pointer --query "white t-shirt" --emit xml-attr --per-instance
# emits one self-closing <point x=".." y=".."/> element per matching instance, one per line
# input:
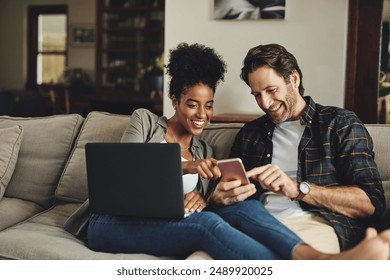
<point x="189" y="180"/>
<point x="285" y="139"/>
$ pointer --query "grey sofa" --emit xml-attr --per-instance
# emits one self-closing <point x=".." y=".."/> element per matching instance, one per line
<point x="43" y="179"/>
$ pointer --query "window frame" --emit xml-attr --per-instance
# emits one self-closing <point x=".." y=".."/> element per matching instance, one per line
<point x="32" y="47"/>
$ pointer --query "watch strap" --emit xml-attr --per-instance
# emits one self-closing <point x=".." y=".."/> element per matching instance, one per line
<point x="300" y="196"/>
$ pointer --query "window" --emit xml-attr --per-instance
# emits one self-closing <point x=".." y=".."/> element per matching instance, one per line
<point x="47" y="51"/>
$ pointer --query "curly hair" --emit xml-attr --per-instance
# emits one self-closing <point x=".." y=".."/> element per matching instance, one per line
<point x="190" y="65"/>
<point x="274" y="56"/>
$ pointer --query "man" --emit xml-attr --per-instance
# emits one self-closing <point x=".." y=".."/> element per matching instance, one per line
<point x="312" y="165"/>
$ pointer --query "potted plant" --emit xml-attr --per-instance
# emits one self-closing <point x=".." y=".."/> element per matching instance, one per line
<point x="154" y="73"/>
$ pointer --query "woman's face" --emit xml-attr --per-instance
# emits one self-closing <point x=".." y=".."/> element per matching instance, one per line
<point x="194" y="109"/>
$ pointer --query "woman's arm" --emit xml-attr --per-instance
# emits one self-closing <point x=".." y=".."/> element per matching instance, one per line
<point x="140" y="126"/>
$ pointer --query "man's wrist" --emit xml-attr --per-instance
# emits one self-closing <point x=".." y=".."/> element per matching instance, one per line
<point x="304" y="189"/>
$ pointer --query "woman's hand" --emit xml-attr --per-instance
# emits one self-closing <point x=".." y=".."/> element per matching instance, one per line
<point x="227" y="193"/>
<point x="194" y="202"/>
<point x="206" y="168"/>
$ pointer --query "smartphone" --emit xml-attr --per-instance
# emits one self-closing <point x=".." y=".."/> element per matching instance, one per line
<point x="233" y="169"/>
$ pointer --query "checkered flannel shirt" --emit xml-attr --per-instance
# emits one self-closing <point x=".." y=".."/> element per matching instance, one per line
<point x="335" y="150"/>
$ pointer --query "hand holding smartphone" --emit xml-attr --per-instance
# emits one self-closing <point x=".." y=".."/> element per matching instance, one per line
<point x="233" y="169"/>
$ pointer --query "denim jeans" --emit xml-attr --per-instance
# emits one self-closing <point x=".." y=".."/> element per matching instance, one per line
<point x="244" y="230"/>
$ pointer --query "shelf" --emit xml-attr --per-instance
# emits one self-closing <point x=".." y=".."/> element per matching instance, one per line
<point x="130" y="36"/>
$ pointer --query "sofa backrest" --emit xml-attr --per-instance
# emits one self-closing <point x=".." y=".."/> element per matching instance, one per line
<point x="106" y="127"/>
<point x="380" y="134"/>
<point x="44" y="150"/>
<point x="220" y="137"/>
<point x="97" y="127"/>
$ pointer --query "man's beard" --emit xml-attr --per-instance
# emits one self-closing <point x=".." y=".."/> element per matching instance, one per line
<point x="289" y="104"/>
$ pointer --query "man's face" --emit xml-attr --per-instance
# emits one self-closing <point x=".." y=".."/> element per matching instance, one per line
<point x="274" y="96"/>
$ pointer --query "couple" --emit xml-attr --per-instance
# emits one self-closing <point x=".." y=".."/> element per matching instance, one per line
<point x="229" y="222"/>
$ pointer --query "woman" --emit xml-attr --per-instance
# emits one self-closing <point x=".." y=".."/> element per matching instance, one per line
<point x="230" y="232"/>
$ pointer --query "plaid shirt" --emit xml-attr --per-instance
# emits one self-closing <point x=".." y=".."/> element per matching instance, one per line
<point x="335" y="150"/>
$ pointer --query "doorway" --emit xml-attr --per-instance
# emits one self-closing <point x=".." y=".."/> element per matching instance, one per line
<point x="363" y="53"/>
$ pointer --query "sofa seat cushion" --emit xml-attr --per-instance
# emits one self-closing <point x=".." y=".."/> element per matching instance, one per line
<point x="14" y="211"/>
<point x="31" y="241"/>
<point x="43" y="238"/>
<point x="98" y="127"/>
<point x="10" y="139"/>
<point x="44" y="150"/>
<point x="199" y="255"/>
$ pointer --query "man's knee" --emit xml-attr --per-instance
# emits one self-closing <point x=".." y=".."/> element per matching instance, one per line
<point x="315" y="231"/>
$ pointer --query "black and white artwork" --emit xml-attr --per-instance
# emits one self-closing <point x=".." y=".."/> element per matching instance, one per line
<point x="82" y="35"/>
<point x="249" y="9"/>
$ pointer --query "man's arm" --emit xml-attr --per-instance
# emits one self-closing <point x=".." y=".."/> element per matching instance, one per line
<point x="350" y="201"/>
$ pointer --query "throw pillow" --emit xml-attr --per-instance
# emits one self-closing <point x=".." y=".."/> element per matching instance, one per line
<point x="10" y="139"/>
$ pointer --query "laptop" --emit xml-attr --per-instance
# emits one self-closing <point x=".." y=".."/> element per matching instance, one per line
<point x="135" y="179"/>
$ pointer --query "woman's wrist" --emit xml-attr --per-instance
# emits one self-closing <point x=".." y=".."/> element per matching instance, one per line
<point x="211" y="199"/>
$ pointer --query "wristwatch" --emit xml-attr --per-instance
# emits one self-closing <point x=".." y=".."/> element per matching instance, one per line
<point x="304" y="189"/>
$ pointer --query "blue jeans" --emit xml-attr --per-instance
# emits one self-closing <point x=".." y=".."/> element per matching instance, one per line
<point x="244" y="230"/>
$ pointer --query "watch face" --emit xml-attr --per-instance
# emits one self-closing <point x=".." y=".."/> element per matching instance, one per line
<point x="304" y="187"/>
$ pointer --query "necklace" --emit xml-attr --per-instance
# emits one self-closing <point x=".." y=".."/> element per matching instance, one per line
<point x="169" y="132"/>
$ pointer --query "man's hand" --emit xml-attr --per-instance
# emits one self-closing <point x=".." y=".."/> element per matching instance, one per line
<point x="227" y="193"/>
<point x="350" y="201"/>
<point x="272" y="178"/>
<point x="206" y="168"/>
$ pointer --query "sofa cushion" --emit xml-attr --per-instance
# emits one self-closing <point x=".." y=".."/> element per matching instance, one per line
<point x="43" y="238"/>
<point x="44" y="150"/>
<point x="15" y="210"/>
<point x="10" y="139"/>
<point x="220" y="136"/>
<point x="106" y="127"/>
<point x="380" y="134"/>
<point x="98" y="127"/>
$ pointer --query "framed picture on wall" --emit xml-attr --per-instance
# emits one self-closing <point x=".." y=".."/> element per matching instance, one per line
<point x="249" y="9"/>
<point x="385" y="49"/>
<point x="82" y="35"/>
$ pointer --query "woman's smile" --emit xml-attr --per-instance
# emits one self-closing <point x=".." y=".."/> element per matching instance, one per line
<point x="199" y="124"/>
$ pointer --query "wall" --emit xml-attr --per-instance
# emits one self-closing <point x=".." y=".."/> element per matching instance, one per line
<point x="314" y="31"/>
<point x="386" y="17"/>
<point x="386" y="10"/>
<point x="13" y="39"/>
<point x="82" y="11"/>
